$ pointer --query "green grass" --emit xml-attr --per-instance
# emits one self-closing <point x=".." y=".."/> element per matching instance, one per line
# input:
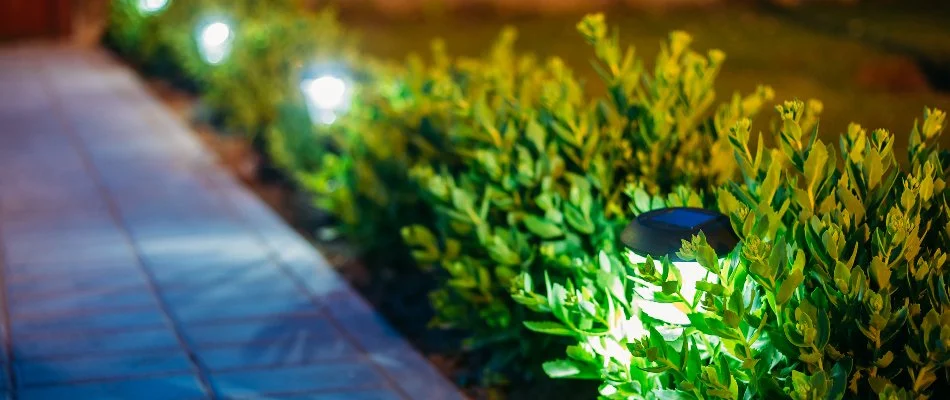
<point x="798" y="62"/>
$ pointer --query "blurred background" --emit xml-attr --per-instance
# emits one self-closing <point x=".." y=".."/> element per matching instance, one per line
<point x="877" y="62"/>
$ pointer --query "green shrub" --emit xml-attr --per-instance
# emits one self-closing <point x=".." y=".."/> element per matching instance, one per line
<point x="545" y="170"/>
<point x="271" y="43"/>
<point x="509" y="181"/>
<point x="356" y="168"/>
<point x="838" y="288"/>
<point x="264" y="68"/>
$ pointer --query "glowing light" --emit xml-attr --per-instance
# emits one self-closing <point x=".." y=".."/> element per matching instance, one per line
<point x="326" y="96"/>
<point x="152" y="6"/>
<point x="214" y="41"/>
<point x="326" y="92"/>
<point x="215" y="34"/>
<point x="690" y="272"/>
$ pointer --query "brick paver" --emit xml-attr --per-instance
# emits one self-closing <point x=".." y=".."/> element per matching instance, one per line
<point x="133" y="267"/>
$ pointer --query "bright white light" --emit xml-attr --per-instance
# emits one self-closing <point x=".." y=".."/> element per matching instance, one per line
<point x="690" y="272"/>
<point x="214" y="42"/>
<point x="326" y="92"/>
<point x="216" y="34"/>
<point x="327" y="96"/>
<point x="152" y="6"/>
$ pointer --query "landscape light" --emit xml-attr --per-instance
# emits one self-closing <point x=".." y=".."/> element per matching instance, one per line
<point x="152" y="6"/>
<point x="327" y="95"/>
<point x="214" y="41"/>
<point x="660" y="233"/>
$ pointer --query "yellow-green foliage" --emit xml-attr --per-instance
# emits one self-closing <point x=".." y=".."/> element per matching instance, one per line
<point x="838" y="289"/>
<point x="545" y="169"/>
<point x="508" y="180"/>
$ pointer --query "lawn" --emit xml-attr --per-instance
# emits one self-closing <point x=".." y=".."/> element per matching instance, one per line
<point x="798" y="61"/>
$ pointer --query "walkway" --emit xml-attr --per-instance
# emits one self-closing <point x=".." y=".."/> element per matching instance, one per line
<point x="135" y="268"/>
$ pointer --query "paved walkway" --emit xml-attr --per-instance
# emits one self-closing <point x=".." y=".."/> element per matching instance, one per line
<point x="133" y="267"/>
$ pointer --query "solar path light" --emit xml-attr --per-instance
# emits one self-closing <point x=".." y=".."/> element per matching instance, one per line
<point x="327" y="92"/>
<point x="149" y="7"/>
<point x="660" y="233"/>
<point x="214" y="38"/>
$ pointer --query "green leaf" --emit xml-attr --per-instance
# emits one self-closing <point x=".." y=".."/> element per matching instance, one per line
<point x="718" y="328"/>
<point x="842" y="277"/>
<point x="542" y="227"/>
<point x="875" y="169"/>
<point x="670" y="287"/>
<point x="839" y="379"/>
<point x="578" y="220"/>
<point x="730" y="318"/>
<point x="641" y="200"/>
<point x="550" y="328"/>
<point x="561" y="369"/>
<point x="659" y="369"/>
<point x="462" y="200"/>
<point x="880" y="272"/>
<point x="770" y="185"/>
<point x="706" y="256"/>
<point x="815" y="168"/>
<point x="536" y="134"/>
<point x="788" y="287"/>
<point x="711" y="288"/>
<point x="673" y="395"/>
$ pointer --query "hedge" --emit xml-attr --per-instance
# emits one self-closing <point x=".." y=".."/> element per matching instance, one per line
<point x="508" y="181"/>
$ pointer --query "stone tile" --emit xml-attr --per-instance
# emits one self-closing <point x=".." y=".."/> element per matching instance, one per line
<point x="64" y="254"/>
<point x="96" y="272"/>
<point x="37" y="235"/>
<point x="174" y="387"/>
<point x="122" y="278"/>
<point x="185" y="244"/>
<point x="331" y="376"/>
<point x="289" y="350"/>
<point x="68" y="324"/>
<point x="60" y="371"/>
<point x="55" y="250"/>
<point x="276" y="341"/>
<point x="314" y="273"/>
<point x="210" y="245"/>
<point x="236" y="305"/>
<point x="237" y="288"/>
<point x="75" y="302"/>
<point x="183" y="276"/>
<point x="84" y="343"/>
<point x="372" y="394"/>
<point x="258" y="331"/>
<point x="407" y="368"/>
